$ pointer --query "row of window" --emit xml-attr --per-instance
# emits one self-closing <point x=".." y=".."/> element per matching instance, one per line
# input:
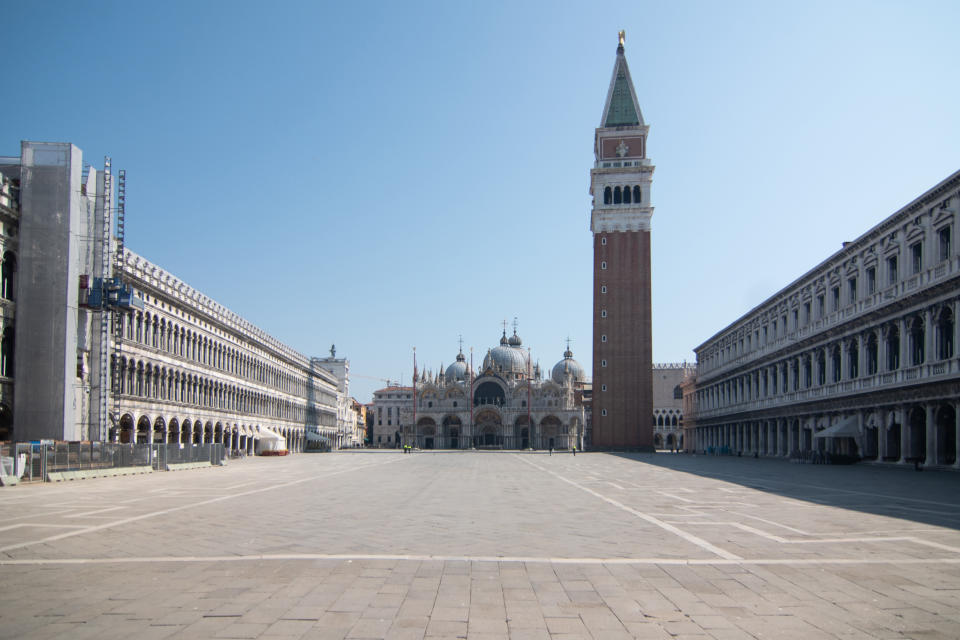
<point x="622" y="195"/>
<point x="144" y="380"/>
<point x="801" y="371"/>
<point x="154" y="331"/>
<point x="818" y="307"/>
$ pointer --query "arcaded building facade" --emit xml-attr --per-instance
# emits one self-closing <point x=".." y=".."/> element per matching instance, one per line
<point x="145" y="359"/>
<point x="620" y="222"/>
<point x="193" y="371"/>
<point x="858" y="356"/>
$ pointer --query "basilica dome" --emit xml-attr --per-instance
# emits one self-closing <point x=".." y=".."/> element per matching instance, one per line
<point x="508" y="357"/>
<point x="459" y="371"/>
<point x="568" y="365"/>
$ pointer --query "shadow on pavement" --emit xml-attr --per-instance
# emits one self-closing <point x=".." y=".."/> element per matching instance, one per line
<point x="931" y="497"/>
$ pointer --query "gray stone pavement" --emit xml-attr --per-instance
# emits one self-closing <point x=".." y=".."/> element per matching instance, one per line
<point x="484" y="545"/>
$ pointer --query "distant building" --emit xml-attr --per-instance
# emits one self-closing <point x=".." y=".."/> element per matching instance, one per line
<point x="388" y="404"/>
<point x="345" y="435"/>
<point x="668" y="414"/>
<point x="857" y="357"/>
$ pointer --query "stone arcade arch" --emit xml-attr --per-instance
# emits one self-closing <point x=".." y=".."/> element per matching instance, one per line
<point x="946" y="420"/>
<point x="159" y="430"/>
<point x="143" y="430"/>
<point x="918" y="434"/>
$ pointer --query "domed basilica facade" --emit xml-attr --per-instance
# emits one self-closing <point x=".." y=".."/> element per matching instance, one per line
<point x="507" y="404"/>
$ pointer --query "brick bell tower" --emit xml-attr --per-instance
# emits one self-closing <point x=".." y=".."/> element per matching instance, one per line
<point x="620" y="222"/>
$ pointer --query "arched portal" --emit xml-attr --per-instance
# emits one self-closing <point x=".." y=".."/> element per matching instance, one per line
<point x="489" y="430"/>
<point x="452" y="428"/>
<point x="426" y="433"/>
<point x="551" y="434"/>
<point x="521" y="433"/>
<point x="186" y="432"/>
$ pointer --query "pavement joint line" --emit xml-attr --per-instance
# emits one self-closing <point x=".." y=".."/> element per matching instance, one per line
<point x="153" y="514"/>
<point x="90" y="513"/>
<point x="675" y="497"/>
<point x="34" y="524"/>
<point x="771" y="522"/>
<point x="285" y="557"/>
<point x="703" y="544"/>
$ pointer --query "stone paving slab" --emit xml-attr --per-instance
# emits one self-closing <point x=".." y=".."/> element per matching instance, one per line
<point x="486" y="545"/>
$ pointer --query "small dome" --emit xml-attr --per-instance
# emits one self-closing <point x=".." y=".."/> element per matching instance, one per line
<point x="568" y="365"/>
<point x="459" y="371"/>
<point x="515" y="340"/>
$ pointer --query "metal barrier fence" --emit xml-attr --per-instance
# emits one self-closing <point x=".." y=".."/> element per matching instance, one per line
<point x="173" y="453"/>
<point x="40" y="458"/>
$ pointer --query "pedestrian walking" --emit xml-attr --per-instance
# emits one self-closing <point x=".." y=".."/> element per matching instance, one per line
<point x="574" y="451"/>
<point x="551" y="449"/>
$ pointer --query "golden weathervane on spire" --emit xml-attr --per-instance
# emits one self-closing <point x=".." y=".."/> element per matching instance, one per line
<point x="622" y="33"/>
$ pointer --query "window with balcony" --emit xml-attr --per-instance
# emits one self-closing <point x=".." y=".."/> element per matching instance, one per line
<point x="893" y="348"/>
<point x="943" y="237"/>
<point x="851" y="290"/>
<point x="853" y="352"/>
<point x="821" y="306"/>
<point x="871" y="354"/>
<point x="871" y="280"/>
<point x="916" y="257"/>
<point x="892" y="273"/>
<point x="835" y="362"/>
<point x="916" y="341"/>
<point x="835" y="297"/>
<point x="945" y="329"/>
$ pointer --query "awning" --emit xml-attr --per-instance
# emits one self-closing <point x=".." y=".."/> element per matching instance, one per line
<point x="316" y="437"/>
<point x="267" y="434"/>
<point x="849" y="428"/>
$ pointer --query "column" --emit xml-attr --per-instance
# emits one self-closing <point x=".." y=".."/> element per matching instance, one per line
<point x="904" y="431"/>
<point x="931" y="436"/>
<point x="929" y="355"/>
<point x="904" y="344"/>
<point x="881" y="434"/>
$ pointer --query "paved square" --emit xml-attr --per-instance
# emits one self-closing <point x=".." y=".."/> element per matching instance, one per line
<point x="486" y="545"/>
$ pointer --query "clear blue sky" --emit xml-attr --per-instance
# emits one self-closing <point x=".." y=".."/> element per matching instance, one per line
<point x="390" y="175"/>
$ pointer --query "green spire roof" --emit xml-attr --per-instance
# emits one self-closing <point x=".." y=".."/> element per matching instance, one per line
<point x="622" y="111"/>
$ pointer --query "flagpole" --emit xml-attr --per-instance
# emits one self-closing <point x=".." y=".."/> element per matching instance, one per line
<point x="471" y="393"/>
<point x="414" y="394"/>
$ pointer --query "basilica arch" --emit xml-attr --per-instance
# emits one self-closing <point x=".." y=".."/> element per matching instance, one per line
<point x="426" y="433"/>
<point x="488" y="426"/>
<point x="452" y="432"/>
